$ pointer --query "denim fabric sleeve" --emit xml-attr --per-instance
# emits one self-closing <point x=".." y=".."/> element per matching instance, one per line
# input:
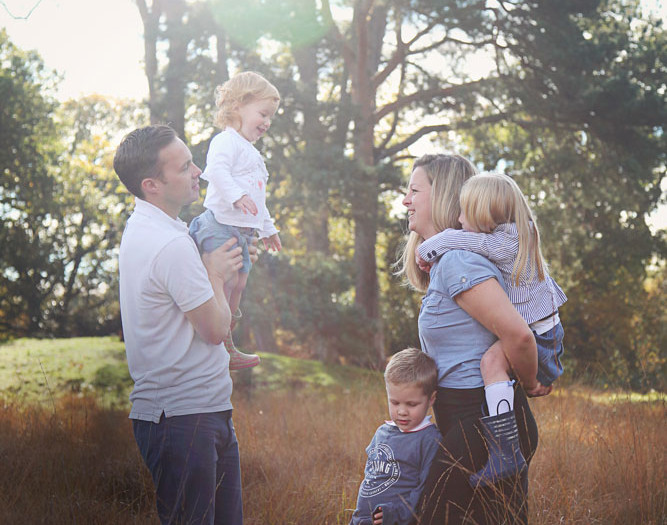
<point x="463" y="270"/>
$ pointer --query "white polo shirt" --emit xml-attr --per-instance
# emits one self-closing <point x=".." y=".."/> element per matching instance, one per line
<point x="162" y="277"/>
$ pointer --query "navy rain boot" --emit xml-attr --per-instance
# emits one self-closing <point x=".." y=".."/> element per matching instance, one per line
<point x="505" y="457"/>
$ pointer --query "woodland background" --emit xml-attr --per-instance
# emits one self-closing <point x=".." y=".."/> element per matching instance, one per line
<point x="573" y="105"/>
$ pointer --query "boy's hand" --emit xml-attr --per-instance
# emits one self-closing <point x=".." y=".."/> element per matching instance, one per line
<point x="246" y="205"/>
<point x="423" y="265"/>
<point x="539" y="390"/>
<point x="272" y="243"/>
<point x="377" y="517"/>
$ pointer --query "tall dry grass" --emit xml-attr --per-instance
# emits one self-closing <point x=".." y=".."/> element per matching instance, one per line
<point x="71" y="463"/>
<point x="303" y="458"/>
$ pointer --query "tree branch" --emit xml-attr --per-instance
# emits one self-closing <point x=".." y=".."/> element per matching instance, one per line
<point x="394" y="123"/>
<point x="420" y="96"/>
<point x="425" y="130"/>
<point x="346" y="50"/>
<point x="17" y="17"/>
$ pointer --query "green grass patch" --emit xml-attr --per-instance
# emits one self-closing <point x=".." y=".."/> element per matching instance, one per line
<point x="39" y="370"/>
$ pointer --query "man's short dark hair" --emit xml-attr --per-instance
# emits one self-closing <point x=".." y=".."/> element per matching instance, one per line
<point x="137" y="156"/>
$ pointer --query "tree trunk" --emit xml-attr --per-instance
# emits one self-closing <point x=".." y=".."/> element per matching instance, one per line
<point x="369" y="25"/>
<point x="151" y="21"/>
<point x="315" y="210"/>
<point x="175" y="77"/>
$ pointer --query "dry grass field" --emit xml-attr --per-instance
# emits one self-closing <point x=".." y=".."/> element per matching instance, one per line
<point x="600" y="460"/>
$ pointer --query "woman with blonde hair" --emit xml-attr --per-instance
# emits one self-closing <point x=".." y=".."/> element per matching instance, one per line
<point x="499" y="224"/>
<point x="464" y="311"/>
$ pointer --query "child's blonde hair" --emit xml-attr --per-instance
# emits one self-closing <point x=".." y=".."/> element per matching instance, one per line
<point x="490" y="199"/>
<point x="446" y="174"/>
<point x="412" y="367"/>
<point x="238" y="91"/>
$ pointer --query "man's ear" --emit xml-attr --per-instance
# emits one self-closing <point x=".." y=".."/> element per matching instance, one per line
<point x="149" y="186"/>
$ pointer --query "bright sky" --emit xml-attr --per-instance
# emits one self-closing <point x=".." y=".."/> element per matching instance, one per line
<point x="98" y="46"/>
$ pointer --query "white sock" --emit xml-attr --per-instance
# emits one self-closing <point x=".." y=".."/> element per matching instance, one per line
<point x="499" y="397"/>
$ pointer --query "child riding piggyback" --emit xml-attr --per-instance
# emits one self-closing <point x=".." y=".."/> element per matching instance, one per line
<point x="236" y="196"/>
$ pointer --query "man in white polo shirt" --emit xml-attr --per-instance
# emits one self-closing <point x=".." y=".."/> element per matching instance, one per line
<point x="174" y="323"/>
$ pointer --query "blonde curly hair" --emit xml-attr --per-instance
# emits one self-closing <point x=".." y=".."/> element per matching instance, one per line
<point x="238" y="91"/>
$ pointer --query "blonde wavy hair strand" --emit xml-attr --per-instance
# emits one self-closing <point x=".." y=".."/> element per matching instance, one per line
<point x="490" y="199"/>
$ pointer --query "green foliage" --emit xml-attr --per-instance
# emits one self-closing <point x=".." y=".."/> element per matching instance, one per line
<point x="290" y="21"/>
<point x="28" y="152"/>
<point x="113" y="377"/>
<point x="41" y="371"/>
<point x="61" y="204"/>
<point x="586" y="144"/>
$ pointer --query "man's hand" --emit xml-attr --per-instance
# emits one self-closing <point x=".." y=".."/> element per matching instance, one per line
<point x="223" y="262"/>
<point x="246" y="205"/>
<point x="272" y="243"/>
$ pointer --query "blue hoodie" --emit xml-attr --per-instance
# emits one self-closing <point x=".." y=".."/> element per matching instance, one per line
<point x="395" y="474"/>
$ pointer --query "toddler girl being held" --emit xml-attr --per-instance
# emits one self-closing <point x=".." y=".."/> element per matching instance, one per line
<point x="236" y="195"/>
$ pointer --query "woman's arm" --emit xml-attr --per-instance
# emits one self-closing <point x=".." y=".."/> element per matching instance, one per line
<point x="488" y="304"/>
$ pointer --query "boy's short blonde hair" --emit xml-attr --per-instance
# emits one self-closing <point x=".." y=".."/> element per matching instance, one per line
<point x="412" y="366"/>
<point x="239" y="90"/>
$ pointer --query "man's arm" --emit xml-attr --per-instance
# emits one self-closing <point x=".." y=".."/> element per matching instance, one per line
<point x="211" y="320"/>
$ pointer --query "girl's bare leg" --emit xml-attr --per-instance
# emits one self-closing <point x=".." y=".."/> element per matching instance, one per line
<point x="237" y="359"/>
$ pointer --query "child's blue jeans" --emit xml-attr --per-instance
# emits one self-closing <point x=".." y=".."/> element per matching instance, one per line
<point x="209" y="234"/>
<point x="549" y="352"/>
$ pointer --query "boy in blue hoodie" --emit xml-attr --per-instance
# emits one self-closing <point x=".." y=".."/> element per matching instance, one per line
<point x="402" y="449"/>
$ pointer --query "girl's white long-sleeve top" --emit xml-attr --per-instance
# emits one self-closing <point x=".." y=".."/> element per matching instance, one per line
<point x="235" y="168"/>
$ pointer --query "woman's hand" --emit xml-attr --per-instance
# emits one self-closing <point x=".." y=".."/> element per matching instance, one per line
<point x="539" y="390"/>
